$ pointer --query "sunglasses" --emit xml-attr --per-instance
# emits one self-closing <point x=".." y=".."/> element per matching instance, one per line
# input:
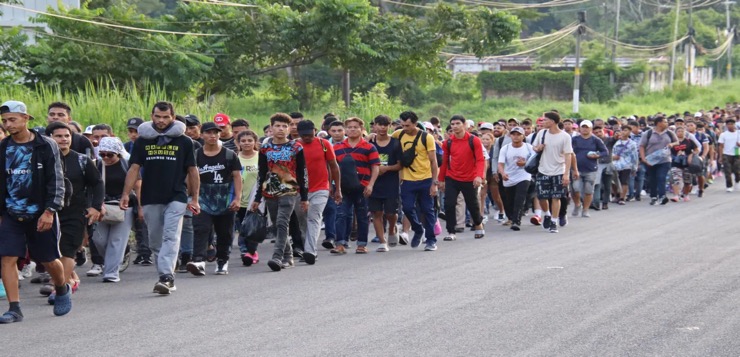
<point x="108" y="155"/>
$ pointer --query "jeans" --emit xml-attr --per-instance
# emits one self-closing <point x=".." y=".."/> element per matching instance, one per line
<point x="731" y="167"/>
<point x="637" y="182"/>
<point x="203" y="225"/>
<point x="514" y="200"/>
<point x="280" y="209"/>
<point x="453" y="188"/>
<point x="418" y="191"/>
<point x="656" y="176"/>
<point x="310" y="222"/>
<point x="186" y="237"/>
<point x="330" y="220"/>
<point x="165" y="228"/>
<point x="142" y="238"/>
<point x="111" y="241"/>
<point x="352" y="202"/>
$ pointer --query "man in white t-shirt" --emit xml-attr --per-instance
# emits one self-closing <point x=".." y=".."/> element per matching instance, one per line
<point x="516" y="180"/>
<point x="552" y="178"/>
<point x="729" y="146"/>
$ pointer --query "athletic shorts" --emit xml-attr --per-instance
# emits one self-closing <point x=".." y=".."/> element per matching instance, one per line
<point x="72" y="228"/>
<point x="16" y="236"/>
<point x="585" y="183"/>
<point x="624" y="176"/>
<point x="549" y="186"/>
<point x="385" y="205"/>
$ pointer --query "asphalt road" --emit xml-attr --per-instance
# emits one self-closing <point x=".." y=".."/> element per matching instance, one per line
<point x="631" y="281"/>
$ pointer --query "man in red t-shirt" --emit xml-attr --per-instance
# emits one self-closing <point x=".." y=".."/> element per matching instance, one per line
<point x="320" y="159"/>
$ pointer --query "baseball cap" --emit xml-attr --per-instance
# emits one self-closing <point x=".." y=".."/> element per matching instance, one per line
<point x="698" y="115"/>
<point x="14" y="106"/>
<point x="89" y="129"/>
<point x="488" y="126"/>
<point x="221" y="119"/>
<point x="306" y="127"/>
<point x="469" y="123"/>
<point x="587" y="123"/>
<point x="210" y="126"/>
<point x="134" y="123"/>
<point x="518" y="129"/>
<point x="428" y="126"/>
<point x="192" y="120"/>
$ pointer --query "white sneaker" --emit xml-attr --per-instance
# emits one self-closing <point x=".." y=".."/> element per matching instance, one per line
<point x="96" y="270"/>
<point x="485" y="219"/>
<point x="730" y="189"/>
<point x="28" y="269"/>
<point x="643" y="193"/>
<point x="20" y="276"/>
<point x="695" y="190"/>
<point x="222" y="269"/>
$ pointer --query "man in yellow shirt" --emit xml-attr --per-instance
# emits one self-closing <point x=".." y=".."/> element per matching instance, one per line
<point x="418" y="179"/>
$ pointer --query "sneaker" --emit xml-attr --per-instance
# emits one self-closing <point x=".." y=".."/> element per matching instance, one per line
<point x="63" y="303"/>
<point x="287" y="264"/>
<point x="339" y="250"/>
<point x="27" y="271"/>
<point x="416" y="240"/>
<point x="501" y="218"/>
<point x="311" y="258"/>
<point x="382" y="248"/>
<point x="515" y="227"/>
<point x="547" y="222"/>
<point x="20" y="276"/>
<point x="576" y="211"/>
<point x="430" y="247"/>
<point x="450" y="238"/>
<point x="730" y="189"/>
<point x="81" y="257"/>
<point x="392" y="240"/>
<point x="621" y="203"/>
<point x="585" y="214"/>
<point x="197" y="268"/>
<point x="403" y="238"/>
<point x="297" y="253"/>
<point x="111" y="280"/>
<point x="247" y="259"/>
<point x="653" y="201"/>
<point x="700" y="194"/>
<point x="96" y="270"/>
<point x="136" y="261"/>
<point x="327" y="243"/>
<point x="562" y="220"/>
<point x="605" y="206"/>
<point x="507" y="223"/>
<point x="686" y="199"/>
<point x="222" y="268"/>
<point x="536" y="220"/>
<point x="275" y="265"/>
<point x="165" y="286"/>
<point x="643" y="193"/>
<point x="638" y="198"/>
<point x="663" y="200"/>
<point x="553" y="228"/>
<point x="485" y="219"/>
<point x="42" y="278"/>
<point x="146" y="261"/>
<point x="375" y="240"/>
<point x="46" y="289"/>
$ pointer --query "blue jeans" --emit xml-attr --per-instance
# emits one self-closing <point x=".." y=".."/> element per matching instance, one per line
<point x="352" y="202"/>
<point x="637" y="182"/>
<point x="186" y="241"/>
<point x="656" y="175"/>
<point x="418" y="191"/>
<point x="330" y="220"/>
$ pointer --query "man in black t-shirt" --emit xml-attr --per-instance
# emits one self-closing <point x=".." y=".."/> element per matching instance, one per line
<point x="220" y="195"/>
<point x="166" y="156"/>
<point x="385" y="202"/>
<point x="62" y="112"/>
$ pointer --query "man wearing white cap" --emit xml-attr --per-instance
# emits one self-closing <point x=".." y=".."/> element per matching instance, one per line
<point x="31" y="195"/>
<point x="588" y="149"/>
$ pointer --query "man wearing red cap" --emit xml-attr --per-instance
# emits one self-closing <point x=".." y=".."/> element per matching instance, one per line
<point x="227" y="136"/>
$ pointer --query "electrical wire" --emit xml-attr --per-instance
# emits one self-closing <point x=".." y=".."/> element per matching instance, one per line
<point x="516" y="6"/>
<point x="635" y="47"/>
<point x="120" y="46"/>
<point x="468" y="55"/>
<point x="220" y="3"/>
<point x="698" y="4"/>
<point x="111" y="25"/>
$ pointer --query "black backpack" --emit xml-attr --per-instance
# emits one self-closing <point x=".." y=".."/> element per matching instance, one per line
<point x="348" y="174"/>
<point x="409" y="155"/>
<point x="68" y="191"/>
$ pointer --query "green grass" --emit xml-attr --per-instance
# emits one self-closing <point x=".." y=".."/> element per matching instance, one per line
<point x="106" y="103"/>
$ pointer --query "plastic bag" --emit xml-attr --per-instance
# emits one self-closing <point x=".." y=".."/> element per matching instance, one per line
<point x="254" y="227"/>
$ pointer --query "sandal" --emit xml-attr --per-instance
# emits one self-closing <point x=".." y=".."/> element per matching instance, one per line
<point x="382" y="248"/>
<point x="479" y="233"/>
<point x="361" y="250"/>
<point x="338" y="250"/>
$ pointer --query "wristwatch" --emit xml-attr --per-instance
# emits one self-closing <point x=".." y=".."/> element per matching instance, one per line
<point x="52" y="210"/>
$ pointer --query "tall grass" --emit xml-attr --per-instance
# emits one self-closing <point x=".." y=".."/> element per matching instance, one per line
<point x="104" y="102"/>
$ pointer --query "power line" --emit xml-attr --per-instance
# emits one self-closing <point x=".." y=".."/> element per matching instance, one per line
<point x="120" y="46"/>
<point x="468" y="55"/>
<point x="111" y="25"/>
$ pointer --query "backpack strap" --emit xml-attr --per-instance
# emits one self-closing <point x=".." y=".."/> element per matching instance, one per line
<point x="449" y="152"/>
<point x="472" y="146"/>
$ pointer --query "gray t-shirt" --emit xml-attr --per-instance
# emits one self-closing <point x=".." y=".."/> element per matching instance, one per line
<point x="558" y="148"/>
<point x="657" y="141"/>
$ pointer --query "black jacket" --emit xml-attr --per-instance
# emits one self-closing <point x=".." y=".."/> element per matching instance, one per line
<point x="48" y="178"/>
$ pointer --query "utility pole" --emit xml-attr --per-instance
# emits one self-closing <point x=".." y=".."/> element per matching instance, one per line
<point x="691" y="50"/>
<point x="616" y="38"/>
<point x="730" y="32"/>
<point x="577" y="73"/>
<point x="672" y="71"/>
